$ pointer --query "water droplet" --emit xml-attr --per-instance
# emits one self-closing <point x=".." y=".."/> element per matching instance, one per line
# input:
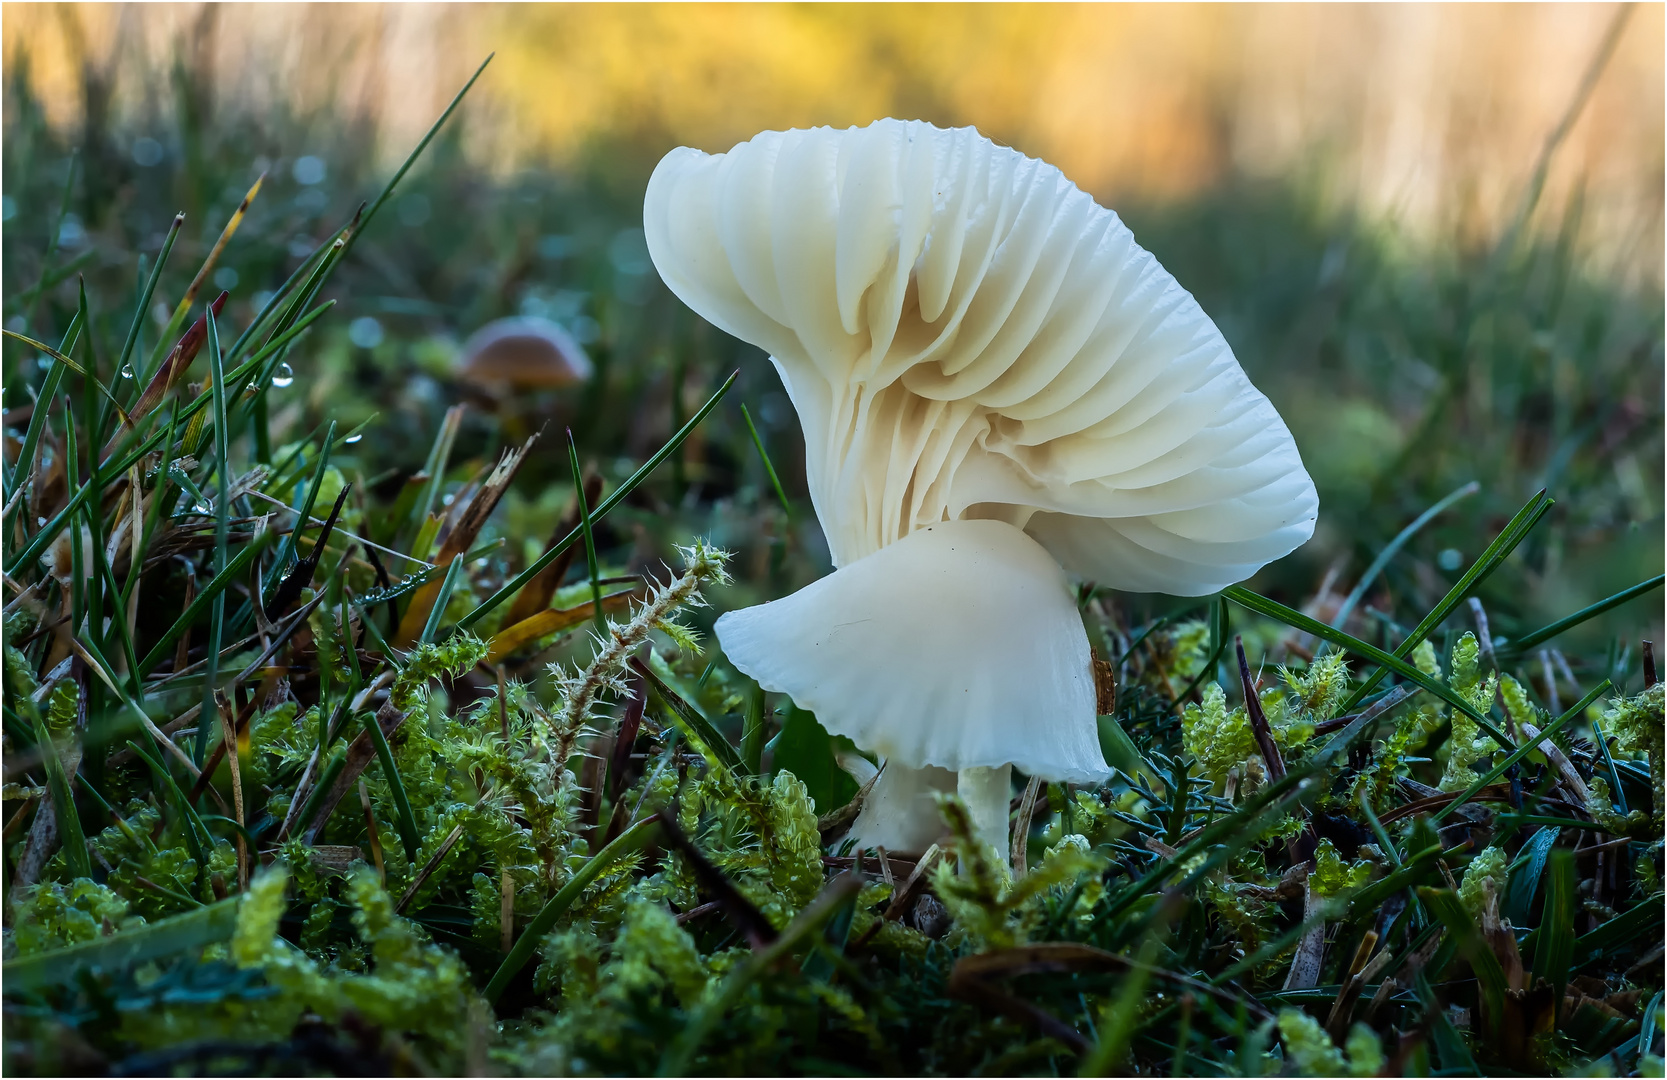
<point x="202" y="507"/>
<point x="251" y="388"/>
<point x="127" y="371"/>
<point x="365" y="332"/>
<point x="283" y="376"/>
<point x="351" y="439"/>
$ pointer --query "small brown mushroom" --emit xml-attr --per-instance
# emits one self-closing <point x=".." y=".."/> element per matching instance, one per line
<point x="523" y="354"/>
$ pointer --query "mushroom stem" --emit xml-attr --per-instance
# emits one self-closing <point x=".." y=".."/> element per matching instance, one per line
<point x="986" y="791"/>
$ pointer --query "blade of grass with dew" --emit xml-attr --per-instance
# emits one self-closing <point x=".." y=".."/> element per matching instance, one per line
<point x="1394" y="546"/>
<point x="287" y="551"/>
<point x="143" y="308"/>
<point x="1515" y="531"/>
<point x="237" y="376"/>
<point x="550" y="555"/>
<point x="590" y="539"/>
<point x="1273" y="609"/>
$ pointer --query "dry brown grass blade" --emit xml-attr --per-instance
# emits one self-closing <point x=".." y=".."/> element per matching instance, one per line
<point x="459" y="540"/>
<point x="179" y="359"/>
<point x="219" y="245"/>
<point x="535" y="597"/>
<point x="549" y="621"/>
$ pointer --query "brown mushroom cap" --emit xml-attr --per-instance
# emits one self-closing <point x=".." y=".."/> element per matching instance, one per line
<point x="523" y="353"/>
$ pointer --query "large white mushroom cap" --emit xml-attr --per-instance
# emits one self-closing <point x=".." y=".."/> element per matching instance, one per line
<point x="966" y="334"/>
<point x="968" y="337"/>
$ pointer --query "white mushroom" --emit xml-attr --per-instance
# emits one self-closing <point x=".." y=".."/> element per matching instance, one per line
<point x="997" y="385"/>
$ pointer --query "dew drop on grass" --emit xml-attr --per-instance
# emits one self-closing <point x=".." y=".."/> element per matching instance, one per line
<point x="351" y="439"/>
<point x="284" y="376"/>
<point x="127" y="371"/>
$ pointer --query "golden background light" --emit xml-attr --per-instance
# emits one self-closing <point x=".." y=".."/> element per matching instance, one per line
<point x="1428" y="114"/>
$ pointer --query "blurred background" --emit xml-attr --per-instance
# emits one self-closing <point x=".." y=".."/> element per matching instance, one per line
<point x="1432" y="234"/>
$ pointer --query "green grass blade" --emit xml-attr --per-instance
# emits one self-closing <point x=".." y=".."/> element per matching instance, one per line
<point x="416" y="152"/>
<point x="89" y="376"/>
<point x="404" y="819"/>
<point x="752" y="731"/>
<point x="1385" y="661"/>
<point x="1641" y="919"/>
<point x="143" y="377"/>
<point x="191" y="825"/>
<point x="763" y="456"/>
<point x="680" y="1054"/>
<point x="1390" y="549"/>
<point x="287" y="551"/>
<point x="437" y="613"/>
<point x="63" y="799"/>
<point x="170" y="937"/>
<point x="1490" y="977"/>
<point x="515" y="584"/>
<point x="1515" y="531"/>
<point x="1523" y="751"/>
<point x="158" y="500"/>
<point x="282" y="296"/>
<point x="48" y="392"/>
<point x="222" y="511"/>
<point x="1551" y="630"/>
<point x="1554" y="945"/>
<point x="686" y="715"/>
<point x="590" y="539"/>
<point x="235" y="567"/>
<point x="631" y="840"/>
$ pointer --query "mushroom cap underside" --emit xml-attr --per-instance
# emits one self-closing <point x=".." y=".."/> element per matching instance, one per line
<point x="958" y="646"/>
<point x="960" y="327"/>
